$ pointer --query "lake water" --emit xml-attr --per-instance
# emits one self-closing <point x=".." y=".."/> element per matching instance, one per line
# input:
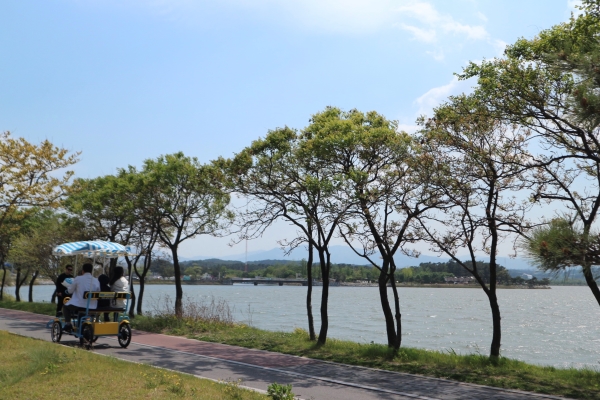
<point x="559" y="327"/>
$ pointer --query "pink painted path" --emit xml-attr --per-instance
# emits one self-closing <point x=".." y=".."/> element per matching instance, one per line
<point x="311" y="379"/>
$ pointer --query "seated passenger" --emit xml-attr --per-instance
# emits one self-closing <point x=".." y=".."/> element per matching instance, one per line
<point x="81" y="284"/>
<point x="118" y="283"/>
<point x="104" y="287"/>
<point x="61" y="290"/>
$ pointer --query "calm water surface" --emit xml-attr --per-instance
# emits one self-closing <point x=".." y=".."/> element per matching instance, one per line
<point x="559" y="327"/>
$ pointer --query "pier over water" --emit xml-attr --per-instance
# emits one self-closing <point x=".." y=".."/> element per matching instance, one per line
<point x="270" y="281"/>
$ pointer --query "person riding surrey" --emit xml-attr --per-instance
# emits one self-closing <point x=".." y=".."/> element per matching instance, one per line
<point x="104" y="287"/>
<point x="118" y="283"/>
<point x="61" y="290"/>
<point x="80" y="285"/>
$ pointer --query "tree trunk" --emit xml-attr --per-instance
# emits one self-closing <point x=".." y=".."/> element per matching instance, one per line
<point x="497" y="332"/>
<point x="592" y="284"/>
<point x="53" y="298"/>
<point x="311" y="323"/>
<point x="132" y="301"/>
<point x="141" y="294"/>
<point x="142" y="276"/>
<point x="18" y="285"/>
<point x="33" y="276"/>
<point x="325" y="261"/>
<point x="3" y="278"/>
<point x="112" y="264"/>
<point x="131" y="305"/>
<point x="19" y="282"/>
<point x="398" y="316"/>
<point x="385" y="304"/>
<point x="178" y="289"/>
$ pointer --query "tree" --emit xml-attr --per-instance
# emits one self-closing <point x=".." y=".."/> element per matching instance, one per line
<point x="28" y="179"/>
<point x="194" y="272"/>
<point x="167" y="270"/>
<point x="106" y="205"/>
<point x="40" y="232"/>
<point x="185" y="199"/>
<point x="283" y="180"/>
<point x="145" y="240"/>
<point x="562" y="244"/>
<point x="388" y="184"/>
<point x="486" y="161"/>
<point x="551" y="85"/>
<point x="9" y="230"/>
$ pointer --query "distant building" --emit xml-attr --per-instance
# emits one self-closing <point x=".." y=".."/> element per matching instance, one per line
<point x="457" y="280"/>
<point x="527" y="277"/>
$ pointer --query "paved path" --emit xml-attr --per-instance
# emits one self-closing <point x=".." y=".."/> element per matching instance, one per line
<point x="311" y="379"/>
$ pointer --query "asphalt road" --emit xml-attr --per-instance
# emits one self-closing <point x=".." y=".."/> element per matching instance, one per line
<point x="311" y="379"/>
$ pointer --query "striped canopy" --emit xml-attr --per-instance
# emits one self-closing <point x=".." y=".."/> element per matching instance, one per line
<point x="93" y="249"/>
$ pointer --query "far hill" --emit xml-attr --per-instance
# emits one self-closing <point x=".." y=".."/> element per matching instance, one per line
<point x="345" y="255"/>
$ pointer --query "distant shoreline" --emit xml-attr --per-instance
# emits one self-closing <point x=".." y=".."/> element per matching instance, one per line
<point x="342" y="284"/>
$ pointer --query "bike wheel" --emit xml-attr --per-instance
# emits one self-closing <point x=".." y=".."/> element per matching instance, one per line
<point x="124" y="337"/>
<point x="56" y="332"/>
<point x="87" y="336"/>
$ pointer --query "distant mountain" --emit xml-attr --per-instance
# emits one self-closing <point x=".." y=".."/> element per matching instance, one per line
<point x="344" y="255"/>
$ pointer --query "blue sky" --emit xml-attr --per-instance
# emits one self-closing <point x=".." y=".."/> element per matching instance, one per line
<point x="126" y="80"/>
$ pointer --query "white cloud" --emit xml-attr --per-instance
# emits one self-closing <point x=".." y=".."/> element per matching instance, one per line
<point x="438" y="55"/>
<point x="434" y="97"/>
<point x="409" y="128"/>
<point x="422" y="35"/>
<point x="438" y="95"/>
<point x="418" y="17"/>
<point x="337" y="16"/>
<point x="433" y="20"/>
<point x="500" y="46"/>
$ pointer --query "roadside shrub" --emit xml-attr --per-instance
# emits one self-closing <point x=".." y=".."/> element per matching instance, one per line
<point x="280" y="392"/>
<point x="199" y="315"/>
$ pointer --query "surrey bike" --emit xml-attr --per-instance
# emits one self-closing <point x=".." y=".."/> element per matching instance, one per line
<point x="87" y="324"/>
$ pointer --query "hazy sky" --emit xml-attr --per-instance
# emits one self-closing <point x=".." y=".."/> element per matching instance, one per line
<point x="126" y="80"/>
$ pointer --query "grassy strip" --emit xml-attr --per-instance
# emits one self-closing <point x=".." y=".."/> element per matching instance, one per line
<point x="34" y="369"/>
<point x="504" y="373"/>
<point x="38" y="308"/>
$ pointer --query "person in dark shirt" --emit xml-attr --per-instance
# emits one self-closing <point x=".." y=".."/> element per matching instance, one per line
<point x="104" y="303"/>
<point x="61" y="290"/>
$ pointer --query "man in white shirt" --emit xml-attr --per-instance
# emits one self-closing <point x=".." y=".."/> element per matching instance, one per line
<point x="80" y="285"/>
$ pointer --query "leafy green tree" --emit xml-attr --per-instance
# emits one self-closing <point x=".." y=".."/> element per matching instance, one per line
<point x="194" y="272"/>
<point x="186" y="199"/>
<point x="106" y="206"/>
<point x="284" y="181"/>
<point x="388" y="185"/>
<point x="41" y="231"/>
<point x="486" y="161"/>
<point x="29" y="177"/>
<point x="167" y="271"/>
<point x="140" y="230"/>
<point x="562" y="244"/>
<point x="551" y="86"/>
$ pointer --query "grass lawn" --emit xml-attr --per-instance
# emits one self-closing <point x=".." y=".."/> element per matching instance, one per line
<point x="504" y="372"/>
<point x="34" y="369"/>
